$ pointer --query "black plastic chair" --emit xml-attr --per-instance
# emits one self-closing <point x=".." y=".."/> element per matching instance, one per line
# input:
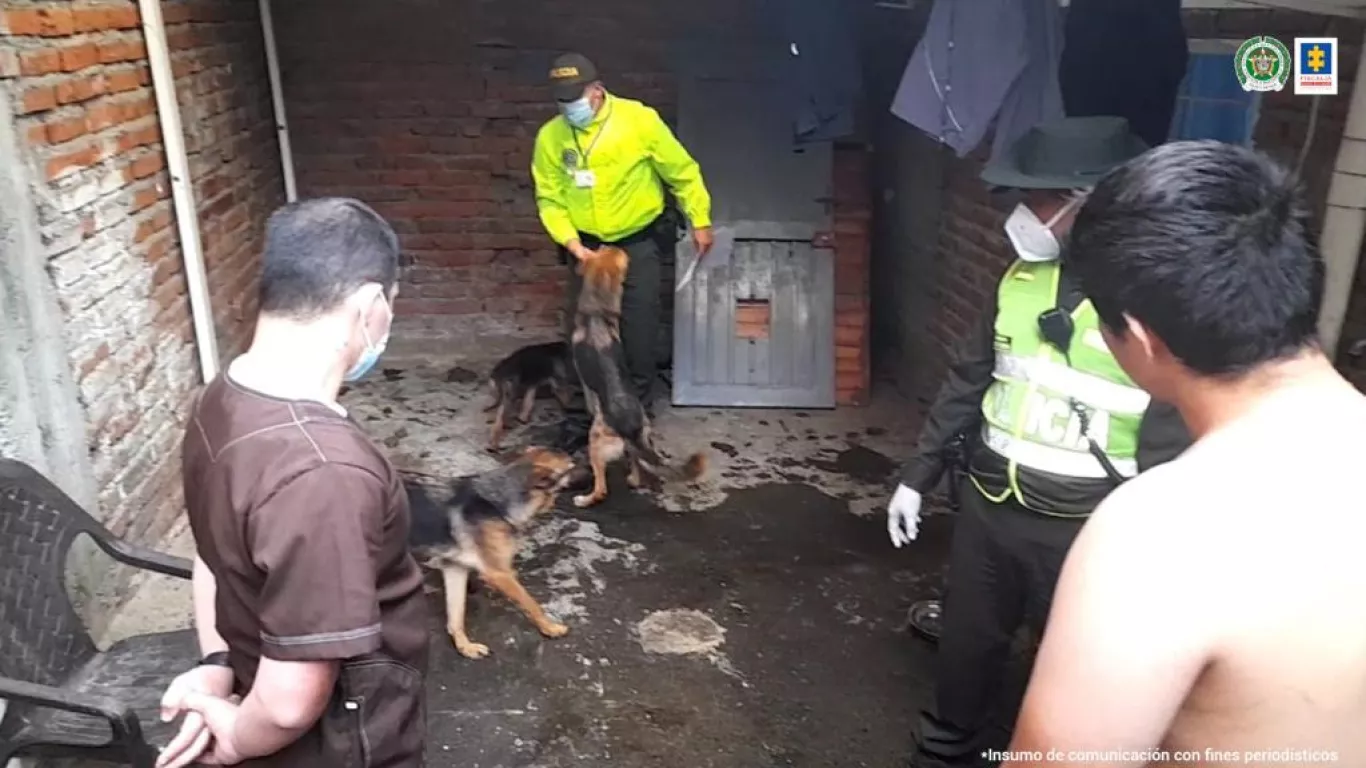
<point x="67" y="699"/>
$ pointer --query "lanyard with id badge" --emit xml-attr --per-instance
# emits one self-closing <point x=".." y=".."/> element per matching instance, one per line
<point x="584" y="178"/>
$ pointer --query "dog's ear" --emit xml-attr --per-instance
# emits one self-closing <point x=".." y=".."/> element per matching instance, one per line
<point x="542" y="476"/>
<point x="549" y="469"/>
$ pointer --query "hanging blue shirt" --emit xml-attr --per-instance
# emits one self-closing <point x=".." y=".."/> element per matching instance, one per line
<point x="982" y="63"/>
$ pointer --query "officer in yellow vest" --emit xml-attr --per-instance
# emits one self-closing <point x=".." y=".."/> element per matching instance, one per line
<point x="600" y="168"/>
<point x="1051" y="425"/>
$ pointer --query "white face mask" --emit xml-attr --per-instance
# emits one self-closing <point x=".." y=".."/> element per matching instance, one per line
<point x="1033" y="239"/>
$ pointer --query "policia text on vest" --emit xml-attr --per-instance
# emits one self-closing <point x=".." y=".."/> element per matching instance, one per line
<point x="1011" y="392"/>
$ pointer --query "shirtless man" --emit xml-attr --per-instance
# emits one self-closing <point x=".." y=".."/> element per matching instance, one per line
<point x="1215" y="604"/>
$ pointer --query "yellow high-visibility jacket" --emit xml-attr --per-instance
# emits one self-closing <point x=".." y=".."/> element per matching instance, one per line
<point x="630" y="154"/>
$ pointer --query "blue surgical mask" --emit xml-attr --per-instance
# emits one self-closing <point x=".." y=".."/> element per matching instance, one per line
<point x="579" y="113"/>
<point x="370" y="355"/>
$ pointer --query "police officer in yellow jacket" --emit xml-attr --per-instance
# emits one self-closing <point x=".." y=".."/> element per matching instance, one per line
<point x="1052" y="424"/>
<point x="600" y="168"/>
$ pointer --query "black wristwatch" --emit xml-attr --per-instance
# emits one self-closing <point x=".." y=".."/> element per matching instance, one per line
<point x="215" y="659"/>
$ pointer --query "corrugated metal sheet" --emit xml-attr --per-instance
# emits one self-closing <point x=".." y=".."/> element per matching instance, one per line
<point x="755" y="327"/>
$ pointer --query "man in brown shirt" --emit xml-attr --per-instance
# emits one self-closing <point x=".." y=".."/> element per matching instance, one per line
<point x="308" y="604"/>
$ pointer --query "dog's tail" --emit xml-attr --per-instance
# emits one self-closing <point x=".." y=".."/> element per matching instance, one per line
<point x="692" y="469"/>
<point x="497" y="395"/>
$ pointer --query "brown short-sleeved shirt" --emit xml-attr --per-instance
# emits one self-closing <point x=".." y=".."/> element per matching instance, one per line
<point x="304" y="524"/>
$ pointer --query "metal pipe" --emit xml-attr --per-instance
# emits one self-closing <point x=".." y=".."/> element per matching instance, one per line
<point x="277" y="95"/>
<point x="182" y="187"/>
<point x="1344" y="221"/>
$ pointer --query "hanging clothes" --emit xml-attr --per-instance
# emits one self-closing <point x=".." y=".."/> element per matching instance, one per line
<point x="982" y="63"/>
<point x="1035" y="97"/>
<point x="1124" y="58"/>
<point x="822" y="72"/>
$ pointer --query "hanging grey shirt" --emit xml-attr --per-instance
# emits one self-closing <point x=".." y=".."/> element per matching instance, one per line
<point x="979" y="63"/>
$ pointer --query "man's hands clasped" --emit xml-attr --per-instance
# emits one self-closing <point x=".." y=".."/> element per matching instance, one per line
<point x="204" y="696"/>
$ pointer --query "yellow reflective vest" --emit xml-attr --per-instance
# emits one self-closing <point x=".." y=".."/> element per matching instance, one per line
<point x="608" y="180"/>
<point x="1027" y="413"/>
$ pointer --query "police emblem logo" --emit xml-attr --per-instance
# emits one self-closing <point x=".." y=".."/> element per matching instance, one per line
<point x="560" y="73"/>
<point x="571" y="159"/>
<point x="1262" y="64"/>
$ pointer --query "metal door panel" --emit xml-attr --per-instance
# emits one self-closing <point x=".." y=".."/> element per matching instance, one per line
<point x="755" y="326"/>
<point x="794" y="365"/>
<point x="761" y="183"/>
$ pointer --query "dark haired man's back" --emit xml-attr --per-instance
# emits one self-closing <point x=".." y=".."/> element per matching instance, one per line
<point x="305" y="522"/>
<point x="308" y="605"/>
<point x="1212" y="609"/>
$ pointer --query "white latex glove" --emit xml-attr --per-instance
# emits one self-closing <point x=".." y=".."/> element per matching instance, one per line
<point x="903" y="516"/>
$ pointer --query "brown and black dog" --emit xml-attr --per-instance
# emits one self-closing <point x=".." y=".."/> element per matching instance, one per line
<point x="620" y="426"/>
<point x="475" y="529"/>
<point x="520" y="375"/>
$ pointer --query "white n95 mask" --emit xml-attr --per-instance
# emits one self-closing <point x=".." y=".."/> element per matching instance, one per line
<point x="1032" y="239"/>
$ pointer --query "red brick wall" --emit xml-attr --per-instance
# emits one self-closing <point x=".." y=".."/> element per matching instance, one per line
<point x="76" y="74"/>
<point x="973" y="253"/>
<point x="853" y="216"/>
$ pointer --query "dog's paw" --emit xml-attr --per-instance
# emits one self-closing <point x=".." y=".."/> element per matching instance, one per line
<point x="555" y="629"/>
<point x="472" y="650"/>
<point x="585" y="500"/>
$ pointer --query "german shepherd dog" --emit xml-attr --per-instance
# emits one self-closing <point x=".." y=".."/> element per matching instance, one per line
<point x="620" y="427"/>
<point x="521" y="375"/>
<point x="475" y="529"/>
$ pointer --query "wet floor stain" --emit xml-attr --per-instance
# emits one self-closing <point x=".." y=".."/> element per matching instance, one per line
<point x="461" y="375"/>
<point x="797" y="605"/>
<point x="725" y="448"/>
<point x="679" y="631"/>
<point x="860" y="463"/>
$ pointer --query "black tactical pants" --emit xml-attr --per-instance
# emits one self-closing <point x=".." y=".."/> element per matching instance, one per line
<point x="1003" y="566"/>
<point x="640" y="309"/>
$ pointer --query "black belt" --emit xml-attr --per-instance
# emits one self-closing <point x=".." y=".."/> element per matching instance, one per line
<point x="589" y="240"/>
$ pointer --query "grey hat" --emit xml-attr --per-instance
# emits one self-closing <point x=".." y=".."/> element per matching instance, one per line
<point x="1065" y="154"/>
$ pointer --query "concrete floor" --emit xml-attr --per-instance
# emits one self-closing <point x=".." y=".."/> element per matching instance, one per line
<point x="754" y="620"/>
